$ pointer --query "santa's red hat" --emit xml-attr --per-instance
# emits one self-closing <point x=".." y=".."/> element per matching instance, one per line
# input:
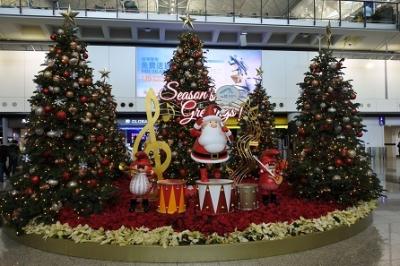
<point x="209" y="115"/>
<point x="142" y="159"/>
<point x="270" y="152"/>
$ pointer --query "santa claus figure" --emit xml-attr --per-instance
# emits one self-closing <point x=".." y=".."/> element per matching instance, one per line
<point x="141" y="173"/>
<point x="270" y="175"/>
<point x="212" y="137"/>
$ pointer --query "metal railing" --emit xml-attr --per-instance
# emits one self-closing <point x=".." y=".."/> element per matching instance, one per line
<point x="340" y="13"/>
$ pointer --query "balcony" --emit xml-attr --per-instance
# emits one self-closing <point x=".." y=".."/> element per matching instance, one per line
<point x="345" y="14"/>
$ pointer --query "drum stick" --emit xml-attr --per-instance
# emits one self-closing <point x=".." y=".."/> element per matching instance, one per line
<point x="263" y="166"/>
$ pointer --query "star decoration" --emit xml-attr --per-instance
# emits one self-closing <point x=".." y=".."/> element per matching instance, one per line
<point x="69" y="15"/>
<point x="59" y="102"/>
<point x="83" y="165"/>
<point x="187" y="21"/>
<point x="25" y="158"/>
<point x="329" y="34"/>
<point x="104" y="73"/>
<point x="259" y="72"/>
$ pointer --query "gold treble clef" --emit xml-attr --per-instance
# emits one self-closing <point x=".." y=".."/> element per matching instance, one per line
<point x="152" y="144"/>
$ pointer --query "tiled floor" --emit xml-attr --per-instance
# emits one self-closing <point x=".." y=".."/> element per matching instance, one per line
<point x="378" y="245"/>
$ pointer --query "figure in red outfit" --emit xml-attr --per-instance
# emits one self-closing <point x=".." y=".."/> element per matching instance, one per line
<point x="141" y="172"/>
<point x="212" y="137"/>
<point x="270" y="175"/>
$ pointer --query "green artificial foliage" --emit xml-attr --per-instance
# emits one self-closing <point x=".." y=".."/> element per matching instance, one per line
<point x="187" y="67"/>
<point x="72" y="145"/>
<point x="329" y="161"/>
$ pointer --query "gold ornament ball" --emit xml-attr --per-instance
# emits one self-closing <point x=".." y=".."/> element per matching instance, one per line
<point x="47" y="74"/>
<point x="73" y="45"/>
<point x="122" y="166"/>
<point x="64" y="59"/>
<point x="351" y="153"/>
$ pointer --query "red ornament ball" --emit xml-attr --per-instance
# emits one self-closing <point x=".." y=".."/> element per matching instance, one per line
<point x="349" y="160"/>
<point x="360" y="134"/>
<point x="105" y="161"/>
<point x="100" y="172"/>
<point x="353" y="96"/>
<point x="183" y="172"/>
<point x="83" y="99"/>
<point x="301" y="131"/>
<point x="45" y="90"/>
<point x="66" y="176"/>
<point x="343" y="152"/>
<point x="92" y="183"/>
<point x="66" y="74"/>
<point x="85" y="56"/>
<point x="318" y="117"/>
<point x="35" y="179"/>
<point x="28" y="191"/>
<point x="61" y="115"/>
<point x="100" y="138"/>
<point x="53" y="37"/>
<point x="338" y="162"/>
<point x="197" y="54"/>
<point x="48" y="108"/>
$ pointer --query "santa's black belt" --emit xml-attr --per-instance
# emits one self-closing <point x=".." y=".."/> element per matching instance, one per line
<point x="211" y="155"/>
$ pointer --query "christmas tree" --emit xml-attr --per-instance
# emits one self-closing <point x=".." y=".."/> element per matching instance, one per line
<point x="187" y="68"/>
<point x="114" y="152"/>
<point x="256" y="128"/>
<point x="329" y="161"/>
<point x="67" y="136"/>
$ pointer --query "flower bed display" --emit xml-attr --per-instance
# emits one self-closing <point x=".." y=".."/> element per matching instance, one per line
<point x="167" y="236"/>
<point x="117" y="215"/>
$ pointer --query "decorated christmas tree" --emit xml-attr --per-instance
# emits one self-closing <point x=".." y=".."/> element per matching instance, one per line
<point x="185" y="80"/>
<point x="71" y="140"/>
<point x="114" y="152"/>
<point x="329" y="161"/>
<point x="257" y="130"/>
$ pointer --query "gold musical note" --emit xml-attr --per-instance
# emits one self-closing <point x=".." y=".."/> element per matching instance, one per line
<point x="168" y="111"/>
<point x="152" y="144"/>
<point x="243" y="144"/>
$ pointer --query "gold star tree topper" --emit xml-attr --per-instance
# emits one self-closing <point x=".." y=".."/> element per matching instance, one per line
<point x="188" y="21"/>
<point x="329" y="34"/>
<point x="104" y="73"/>
<point x="69" y="15"/>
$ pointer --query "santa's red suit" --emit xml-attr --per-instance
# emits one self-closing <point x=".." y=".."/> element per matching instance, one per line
<point x="269" y="183"/>
<point x="212" y="136"/>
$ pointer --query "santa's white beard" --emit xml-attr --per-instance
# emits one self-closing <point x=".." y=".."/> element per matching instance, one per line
<point x="212" y="139"/>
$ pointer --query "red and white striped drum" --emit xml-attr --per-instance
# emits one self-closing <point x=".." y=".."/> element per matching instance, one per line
<point x="215" y="196"/>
